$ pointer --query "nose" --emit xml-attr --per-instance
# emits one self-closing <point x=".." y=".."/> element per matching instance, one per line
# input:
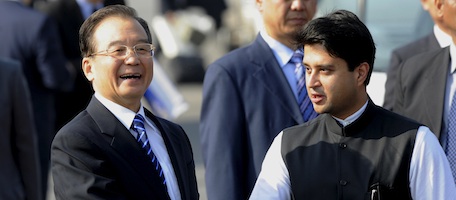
<point x="130" y="51"/>
<point x="311" y="79"/>
<point x="297" y="5"/>
<point x="131" y="57"/>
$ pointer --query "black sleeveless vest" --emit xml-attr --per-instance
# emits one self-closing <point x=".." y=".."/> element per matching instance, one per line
<point x="367" y="158"/>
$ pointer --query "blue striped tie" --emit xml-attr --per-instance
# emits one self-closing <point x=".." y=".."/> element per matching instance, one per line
<point x="305" y="105"/>
<point x="450" y="149"/>
<point x="143" y="141"/>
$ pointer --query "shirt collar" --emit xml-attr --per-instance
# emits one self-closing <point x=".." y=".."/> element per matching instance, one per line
<point x="442" y="38"/>
<point x="281" y="52"/>
<point x="347" y="121"/>
<point x="124" y="115"/>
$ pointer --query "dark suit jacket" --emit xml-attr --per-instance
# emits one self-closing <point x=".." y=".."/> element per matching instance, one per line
<point x="95" y="156"/>
<point x="420" y="88"/>
<point x="20" y="170"/>
<point x="247" y="101"/>
<point x="427" y="43"/>
<point x="68" y="16"/>
<point x="32" y="38"/>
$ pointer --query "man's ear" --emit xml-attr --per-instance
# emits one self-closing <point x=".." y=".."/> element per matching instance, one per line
<point x="362" y="72"/>
<point x="87" y="68"/>
<point x="439" y="4"/>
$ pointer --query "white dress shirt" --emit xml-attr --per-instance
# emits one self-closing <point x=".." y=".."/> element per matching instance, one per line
<point x="126" y="116"/>
<point x="442" y="38"/>
<point x="429" y="169"/>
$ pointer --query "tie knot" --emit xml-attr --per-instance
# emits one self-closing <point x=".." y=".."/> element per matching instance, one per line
<point x="138" y="122"/>
<point x="297" y="57"/>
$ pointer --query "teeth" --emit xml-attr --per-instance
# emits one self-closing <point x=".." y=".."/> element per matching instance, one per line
<point x="129" y="76"/>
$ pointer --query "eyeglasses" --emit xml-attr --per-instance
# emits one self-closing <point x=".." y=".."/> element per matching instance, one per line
<point x="121" y="51"/>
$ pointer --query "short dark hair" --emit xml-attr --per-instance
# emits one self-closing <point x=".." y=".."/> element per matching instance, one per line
<point x="87" y="29"/>
<point x="344" y="36"/>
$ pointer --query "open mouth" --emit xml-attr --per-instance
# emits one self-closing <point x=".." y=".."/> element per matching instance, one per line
<point x="130" y="76"/>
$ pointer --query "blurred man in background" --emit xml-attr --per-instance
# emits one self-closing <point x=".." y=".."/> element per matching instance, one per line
<point x="20" y="175"/>
<point x="32" y="38"/>
<point x="249" y="96"/>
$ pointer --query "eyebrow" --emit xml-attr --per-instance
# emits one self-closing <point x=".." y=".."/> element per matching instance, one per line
<point x="322" y="65"/>
<point x="118" y="42"/>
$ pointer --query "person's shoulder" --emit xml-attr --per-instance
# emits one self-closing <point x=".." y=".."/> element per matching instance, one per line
<point x="240" y="60"/>
<point x="307" y="126"/>
<point x="417" y="46"/>
<point x="235" y="55"/>
<point x="422" y="58"/>
<point x="82" y="122"/>
<point x="390" y="117"/>
<point x="7" y="64"/>
<point x="55" y="7"/>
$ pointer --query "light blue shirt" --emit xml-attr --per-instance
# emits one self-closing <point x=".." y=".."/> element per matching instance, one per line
<point x="449" y="93"/>
<point x="283" y="55"/>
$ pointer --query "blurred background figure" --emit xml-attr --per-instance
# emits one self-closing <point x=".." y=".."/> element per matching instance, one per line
<point x="438" y="38"/>
<point x="249" y="96"/>
<point x="20" y="168"/>
<point x="213" y="8"/>
<point x="69" y="15"/>
<point x="32" y="38"/>
<point x="426" y="84"/>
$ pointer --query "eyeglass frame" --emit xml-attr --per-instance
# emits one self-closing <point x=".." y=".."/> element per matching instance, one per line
<point x="133" y="48"/>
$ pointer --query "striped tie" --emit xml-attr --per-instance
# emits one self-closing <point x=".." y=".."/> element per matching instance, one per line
<point x="305" y="105"/>
<point x="450" y="149"/>
<point x="143" y="141"/>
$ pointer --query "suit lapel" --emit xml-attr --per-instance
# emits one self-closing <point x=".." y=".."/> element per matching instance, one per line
<point x="172" y="146"/>
<point x="436" y="78"/>
<point x="270" y="76"/>
<point x="123" y="142"/>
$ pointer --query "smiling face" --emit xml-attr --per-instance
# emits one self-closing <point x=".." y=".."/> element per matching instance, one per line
<point x="282" y="18"/>
<point x="123" y="81"/>
<point x="332" y="88"/>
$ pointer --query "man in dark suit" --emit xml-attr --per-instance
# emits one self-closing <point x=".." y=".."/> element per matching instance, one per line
<point x="20" y="172"/>
<point x="32" y="38"/>
<point x="97" y="155"/>
<point x="438" y="38"/>
<point x="249" y="96"/>
<point x="69" y="15"/>
<point x="426" y="84"/>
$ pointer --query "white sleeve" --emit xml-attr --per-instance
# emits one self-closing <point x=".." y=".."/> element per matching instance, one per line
<point x="273" y="181"/>
<point x="430" y="174"/>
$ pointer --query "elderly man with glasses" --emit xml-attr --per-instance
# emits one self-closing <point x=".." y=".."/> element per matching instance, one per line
<point x="116" y="148"/>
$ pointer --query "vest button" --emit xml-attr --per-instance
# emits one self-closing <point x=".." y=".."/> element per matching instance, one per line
<point x="343" y="182"/>
<point x="343" y="145"/>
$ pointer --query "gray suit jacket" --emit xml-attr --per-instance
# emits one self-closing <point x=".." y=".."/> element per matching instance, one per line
<point x="427" y="43"/>
<point x="247" y="101"/>
<point x="19" y="169"/>
<point x="420" y="88"/>
<point x="95" y="157"/>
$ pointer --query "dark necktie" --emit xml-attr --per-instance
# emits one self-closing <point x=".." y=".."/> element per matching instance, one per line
<point x="450" y="149"/>
<point x="305" y="105"/>
<point x="143" y="141"/>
